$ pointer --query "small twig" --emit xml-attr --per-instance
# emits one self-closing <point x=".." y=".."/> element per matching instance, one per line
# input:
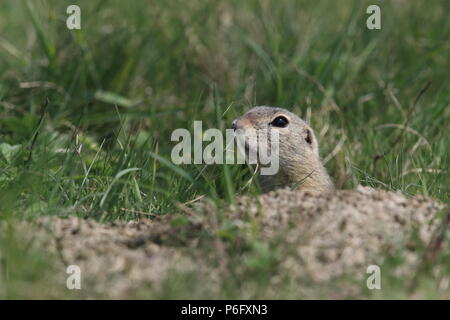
<point x="139" y="212"/>
<point x="36" y="133"/>
<point x="304" y="179"/>
<point x="336" y="149"/>
<point x="249" y="182"/>
<point x="422" y="170"/>
<point x="186" y="209"/>
<point x="195" y="199"/>
<point x="405" y="125"/>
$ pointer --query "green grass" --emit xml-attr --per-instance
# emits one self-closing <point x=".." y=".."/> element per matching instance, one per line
<point x="118" y="87"/>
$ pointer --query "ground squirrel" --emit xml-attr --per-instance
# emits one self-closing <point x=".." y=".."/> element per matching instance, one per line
<point x="299" y="162"/>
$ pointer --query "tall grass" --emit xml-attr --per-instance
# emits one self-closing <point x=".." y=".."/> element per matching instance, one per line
<point x="118" y="87"/>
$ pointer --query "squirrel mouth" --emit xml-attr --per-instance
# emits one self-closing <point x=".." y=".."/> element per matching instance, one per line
<point x="252" y="146"/>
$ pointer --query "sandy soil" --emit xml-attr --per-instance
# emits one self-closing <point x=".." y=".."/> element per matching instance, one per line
<point x="316" y="239"/>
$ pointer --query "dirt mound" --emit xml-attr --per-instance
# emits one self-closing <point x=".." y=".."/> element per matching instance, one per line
<point x="119" y="258"/>
<point x="344" y="232"/>
<point x="316" y="239"/>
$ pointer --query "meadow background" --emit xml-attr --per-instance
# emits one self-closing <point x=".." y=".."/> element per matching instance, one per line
<point x="86" y="115"/>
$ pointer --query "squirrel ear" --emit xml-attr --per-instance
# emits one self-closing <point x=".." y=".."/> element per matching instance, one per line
<point x="309" y="137"/>
<point x="311" y="140"/>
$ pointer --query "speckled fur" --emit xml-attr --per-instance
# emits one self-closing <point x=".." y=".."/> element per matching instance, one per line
<point x="300" y="164"/>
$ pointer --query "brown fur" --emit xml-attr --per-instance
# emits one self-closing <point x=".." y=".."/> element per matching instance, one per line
<point x="299" y="161"/>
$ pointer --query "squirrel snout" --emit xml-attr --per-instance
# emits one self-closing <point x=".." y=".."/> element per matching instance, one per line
<point x="240" y="124"/>
<point x="233" y="125"/>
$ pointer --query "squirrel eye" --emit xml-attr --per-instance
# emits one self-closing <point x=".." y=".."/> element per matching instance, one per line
<point x="280" y="122"/>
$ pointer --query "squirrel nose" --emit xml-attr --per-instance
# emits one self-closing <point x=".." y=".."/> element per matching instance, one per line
<point x="233" y="125"/>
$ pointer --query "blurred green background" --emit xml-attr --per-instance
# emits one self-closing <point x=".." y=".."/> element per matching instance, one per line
<point x="117" y="88"/>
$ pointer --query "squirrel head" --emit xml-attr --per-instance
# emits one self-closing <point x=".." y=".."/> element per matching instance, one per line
<point x="295" y="136"/>
<point x="298" y="147"/>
